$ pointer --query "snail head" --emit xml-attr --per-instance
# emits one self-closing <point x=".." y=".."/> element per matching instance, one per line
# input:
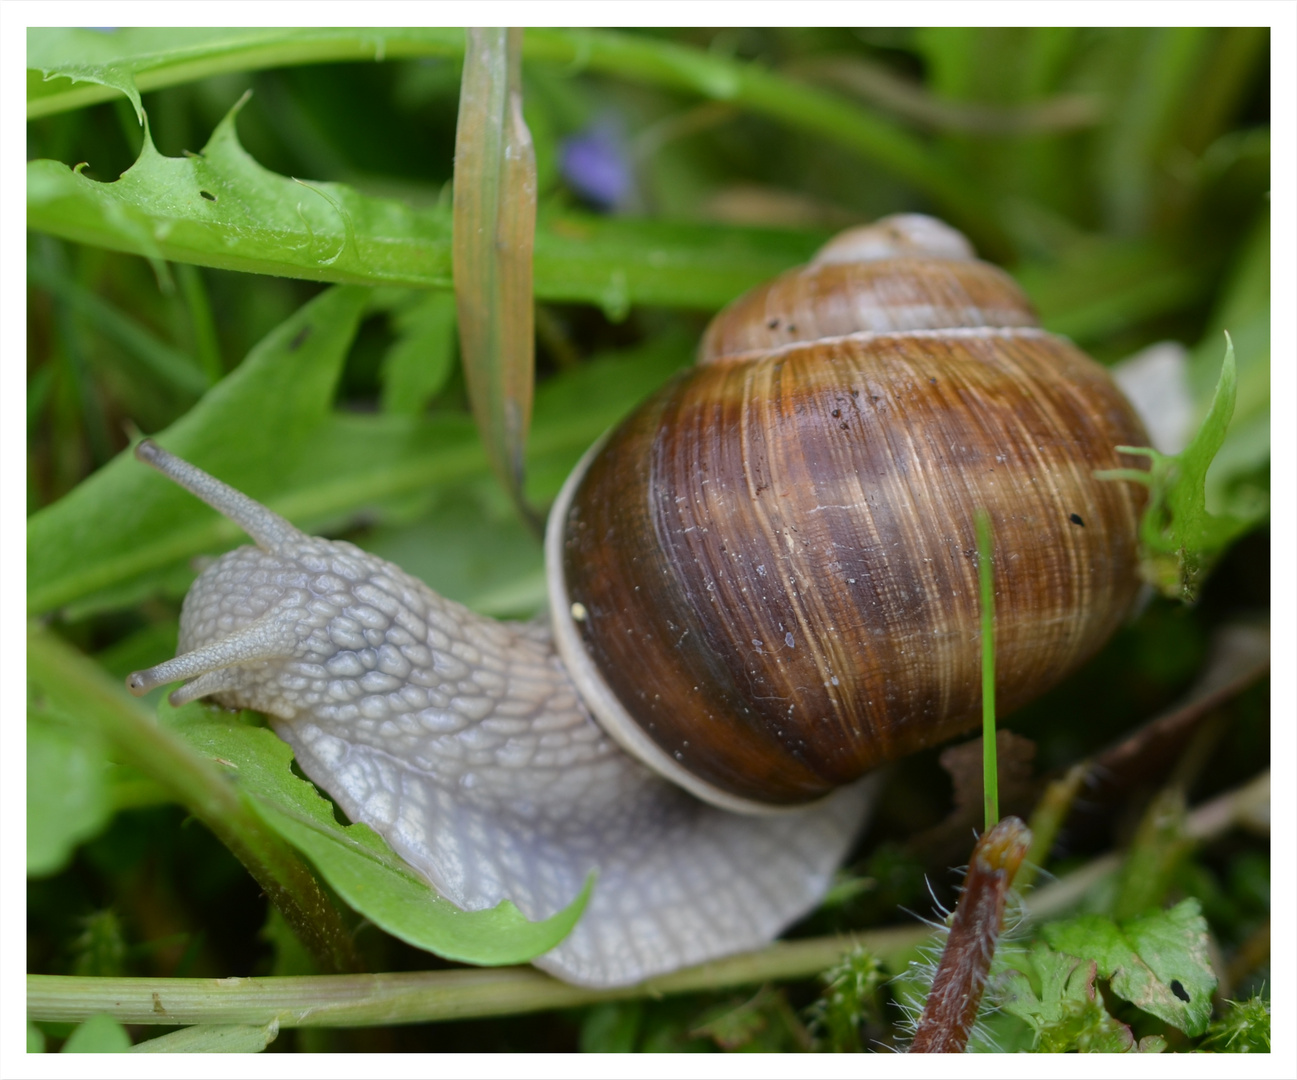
<point x="293" y="624"/>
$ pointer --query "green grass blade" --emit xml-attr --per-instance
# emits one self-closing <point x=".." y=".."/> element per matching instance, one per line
<point x="986" y="587"/>
<point x="494" y="231"/>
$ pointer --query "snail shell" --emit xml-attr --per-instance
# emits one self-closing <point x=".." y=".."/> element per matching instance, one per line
<point x="774" y="559"/>
<point x="706" y="571"/>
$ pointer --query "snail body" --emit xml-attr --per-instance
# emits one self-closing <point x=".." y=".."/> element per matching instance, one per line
<point x="463" y="742"/>
<point x="763" y="585"/>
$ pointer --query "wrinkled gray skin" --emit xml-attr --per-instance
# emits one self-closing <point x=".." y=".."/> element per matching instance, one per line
<point x="462" y="742"/>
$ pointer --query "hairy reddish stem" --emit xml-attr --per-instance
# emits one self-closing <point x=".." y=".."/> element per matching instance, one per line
<point x="951" y="1007"/>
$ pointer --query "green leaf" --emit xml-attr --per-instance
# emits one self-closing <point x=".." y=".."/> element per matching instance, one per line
<point x="35" y="1039"/>
<point x="67" y="791"/>
<point x="290" y="958"/>
<point x="1157" y="850"/>
<point x="422" y="358"/>
<point x="1055" y="994"/>
<point x="1158" y="962"/>
<point x="1187" y="497"/>
<point x="1131" y="173"/>
<point x="124" y="521"/>
<point x="761" y="1024"/>
<point x="69" y="684"/>
<point x="221" y="208"/>
<point x="471" y="547"/>
<point x="1179" y="538"/>
<point x="98" y="1035"/>
<point x="146" y="59"/>
<point x="355" y="861"/>
<point x="50" y="78"/>
<point x="468" y="544"/>
<point x="157" y="360"/>
<point x="125" y="533"/>
<point x="612" y="1027"/>
<point x="1093" y="290"/>
<point x="212" y="1039"/>
<point x="62" y="61"/>
<point x="1243" y="311"/>
<point x="1174" y="946"/>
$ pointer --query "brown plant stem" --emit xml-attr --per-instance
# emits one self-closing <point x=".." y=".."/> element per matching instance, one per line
<point x="951" y="1008"/>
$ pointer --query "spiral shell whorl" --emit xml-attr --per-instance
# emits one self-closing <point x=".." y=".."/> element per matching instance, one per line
<point x="877" y="279"/>
<point x="774" y="557"/>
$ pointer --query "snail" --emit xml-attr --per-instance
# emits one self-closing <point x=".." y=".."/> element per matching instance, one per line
<point x="763" y="585"/>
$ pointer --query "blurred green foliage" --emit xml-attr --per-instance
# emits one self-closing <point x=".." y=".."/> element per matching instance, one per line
<point x="1120" y="174"/>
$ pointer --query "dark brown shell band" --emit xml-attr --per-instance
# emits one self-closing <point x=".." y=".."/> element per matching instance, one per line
<point x="775" y="561"/>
